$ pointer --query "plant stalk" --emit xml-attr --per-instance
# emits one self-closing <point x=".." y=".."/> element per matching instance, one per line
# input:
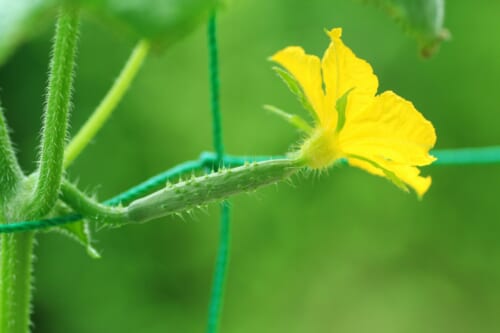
<point x="89" y="208"/>
<point x="15" y="281"/>
<point x="16" y="256"/>
<point x="108" y="104"/>
<point x="56" y="114"/>
<point x="10" y="172"/>
<point x="15" y="250"/>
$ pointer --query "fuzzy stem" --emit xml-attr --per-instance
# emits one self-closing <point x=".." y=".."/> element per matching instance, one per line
<point x="56" y="114"/>
<point x="90" y="208"/>
<point x="10" y="172"/>
<point x="16" y="249"/>
<point x="108" y="104"/>
<point x="15" y="281"/>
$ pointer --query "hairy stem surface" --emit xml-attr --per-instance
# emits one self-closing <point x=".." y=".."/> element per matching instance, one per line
<point x="16" y="249"/>
<point x="15" y="281"/>
<point x="90" y="208"/>
<point x="56" y="114"/>
<point x="10" y="172"/>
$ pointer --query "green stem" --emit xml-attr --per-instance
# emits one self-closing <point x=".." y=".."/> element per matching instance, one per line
<point x="16" y="249"/>
<point x="90" y="208"/>
<point x="10" y="172"/>
<point x="15" y="281"/>
<point x="56" y="114"/>
<point x="108" y="104"/>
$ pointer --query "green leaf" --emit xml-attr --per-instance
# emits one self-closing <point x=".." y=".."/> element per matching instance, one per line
<point x="422" y="19"/>
<point x="160" y="21"/>
<point x="77" y="231"/>
<point x="20" y="19"/>
<point x="296" y="89"/>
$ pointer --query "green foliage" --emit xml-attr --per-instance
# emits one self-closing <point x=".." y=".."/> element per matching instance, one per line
<point x="422" y="19"/>
<point x="79" y="232"/>
<point x="161" y="21"/>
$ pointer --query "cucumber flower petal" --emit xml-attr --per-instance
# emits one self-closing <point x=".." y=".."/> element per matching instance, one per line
<point x="382" y="134"/>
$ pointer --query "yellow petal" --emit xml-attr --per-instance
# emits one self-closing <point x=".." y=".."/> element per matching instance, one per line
<point x="389" y="129"/>
<point x="342" y="70"/>
<point x="306" y="69"/>
<point x="409" y="175"/>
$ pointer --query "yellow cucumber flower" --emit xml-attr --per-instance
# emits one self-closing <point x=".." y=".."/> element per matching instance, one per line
<point x="383" y="134"/>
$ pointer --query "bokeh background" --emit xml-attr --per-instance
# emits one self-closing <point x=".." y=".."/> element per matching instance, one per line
<point x="342" y="252"/>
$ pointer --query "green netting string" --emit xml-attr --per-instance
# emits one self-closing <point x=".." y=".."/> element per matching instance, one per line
<point x="221" y="264"/>
<point x="467" y="156"/>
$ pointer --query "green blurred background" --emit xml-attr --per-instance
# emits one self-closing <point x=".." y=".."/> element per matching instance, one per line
<point x="343" y="252"/>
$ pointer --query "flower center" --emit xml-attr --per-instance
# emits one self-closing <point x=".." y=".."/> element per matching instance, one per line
<point x="321" y="149"/>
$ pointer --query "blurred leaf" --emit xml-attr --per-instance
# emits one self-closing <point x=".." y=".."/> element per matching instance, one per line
<point x="422" y="19"/>
<point x="19" y="19"/>
<point x="163" y="21"/>
<point x="160" y="21"/>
